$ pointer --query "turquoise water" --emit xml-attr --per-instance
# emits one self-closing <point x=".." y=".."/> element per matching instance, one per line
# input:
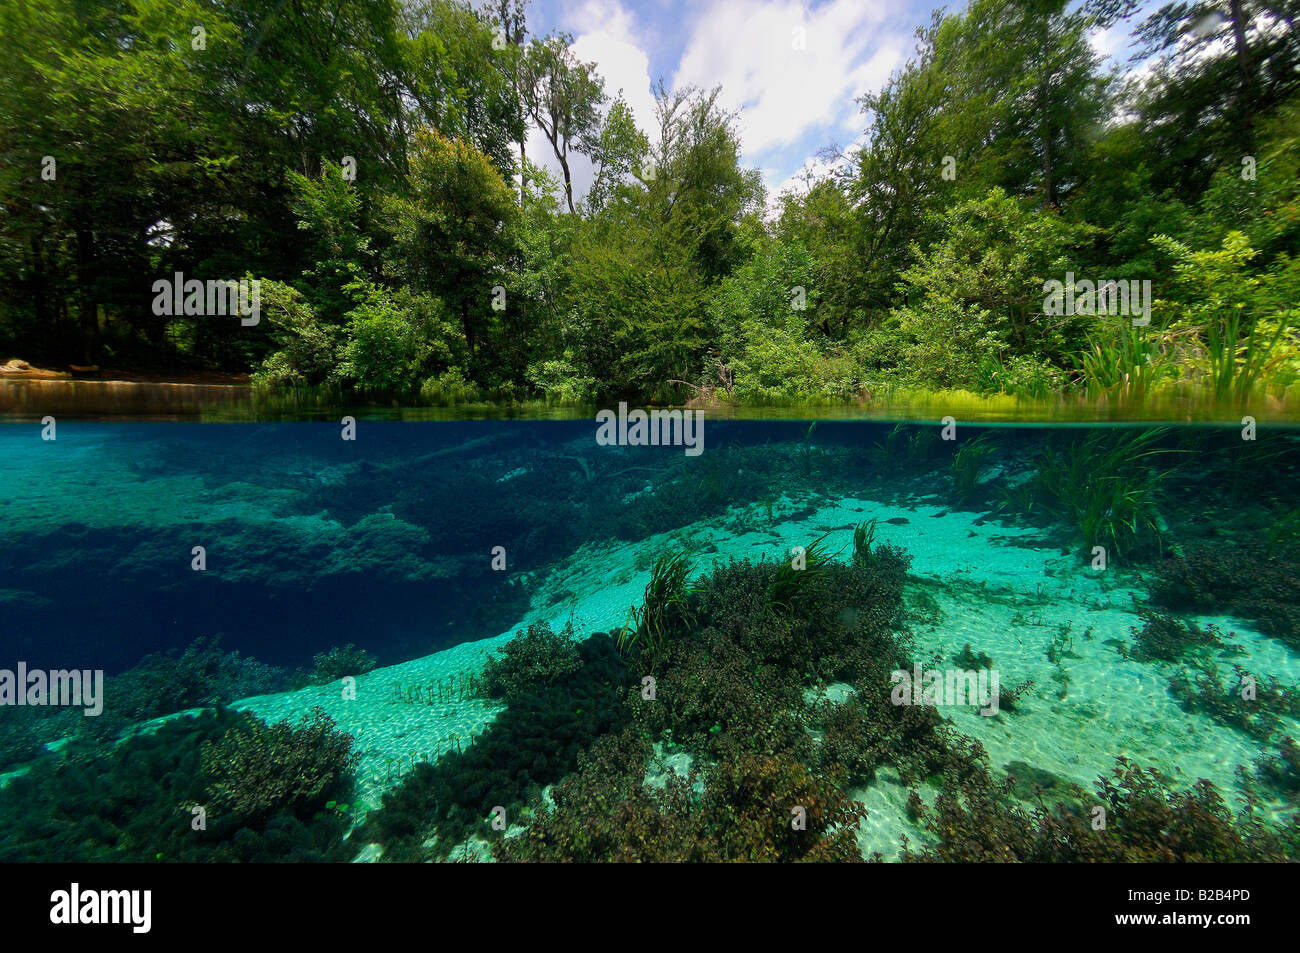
<point x="1133" y="590"/>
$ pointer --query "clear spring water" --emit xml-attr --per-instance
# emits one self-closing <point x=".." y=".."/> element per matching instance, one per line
<point x="429" y="544"/>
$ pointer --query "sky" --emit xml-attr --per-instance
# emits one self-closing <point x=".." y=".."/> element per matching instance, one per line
<point x="791" y="69"/>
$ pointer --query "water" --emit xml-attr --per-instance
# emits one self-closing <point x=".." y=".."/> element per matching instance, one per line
<point x="429" y="546"/>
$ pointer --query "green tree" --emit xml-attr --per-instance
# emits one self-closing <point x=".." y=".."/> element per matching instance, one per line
<point x="563" y="95"/>
<point x="453" y="233"/>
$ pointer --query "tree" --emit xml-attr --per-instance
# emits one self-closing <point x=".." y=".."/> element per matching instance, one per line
<point x="453" y="234"/>
<point x="1216" y="65"/>
<point x="563" y="96"/>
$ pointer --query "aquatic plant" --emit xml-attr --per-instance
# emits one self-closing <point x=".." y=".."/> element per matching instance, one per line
<point x="1250" y="579"/>
<point x="1282" y="772"/>
<point x="1009" y="696"/>
<point x="339" y="662"/>
<point x="530" y="661"/>
<point x="1167" y="639"/>
<point x="967" y="465"/>
<point x="256" y="769"/>
<point x="1106" y="485"/>
<point x="664" y="612"/>
<point x="1147" y="820"/>
<point x="806" y="450"/>
<point x="1238" y="357"/>
<point x="1124" y="362"/>
<point x="864" y="536"/>
<point x="163" y="683"/>
<point x="133" y="802"/>
<point x="794" y="577"/>
<point x="536" y="741"/>
<point x="744" y="813"/>
<point x="970" y="661"/>
<point x="1246" y="702"/>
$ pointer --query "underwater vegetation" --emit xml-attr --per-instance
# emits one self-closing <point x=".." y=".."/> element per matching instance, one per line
<point x="1165" y="638"/>
<point x="737" y="694"/>
<point x="264" y="793"/>
<point x="339" y="662"/>
<point x="536" y="741"/>
<point x="1107" y="485"/>
<point x="1249" y="579"/>
<point x="1146" y="820"/>
<point x="163" y="683"/>
<point x="968" y="465"/>
<point x="530" y="661"/>
<point x="664" y="611"/>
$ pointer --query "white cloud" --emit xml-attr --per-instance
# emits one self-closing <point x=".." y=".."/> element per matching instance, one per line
<point x="604" y="34"/>
<point x="785" y="92"/>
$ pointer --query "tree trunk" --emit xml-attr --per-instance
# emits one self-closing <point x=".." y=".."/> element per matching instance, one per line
<point x="87" y="306"/>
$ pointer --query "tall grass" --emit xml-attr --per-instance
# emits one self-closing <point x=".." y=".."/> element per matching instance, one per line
<point x="1107" y="485"/>
<point x="664" y="612"/>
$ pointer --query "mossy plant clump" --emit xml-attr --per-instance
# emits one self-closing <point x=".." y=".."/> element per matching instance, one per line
<point x="536" y="741"/>
<point x="1249" y="579"/>
<point x="256" y="769"/>
<point x="531" y="661"/>
<point x="1146" y="820"/>
<point x="1167" y="639"/>
<point x="970" y="660"/>
<point x="164" y="683"/>
<point x="136" y="802"/>
<point x="339" y="662"/>
<point x="1248" y="703"/>
<point x="753" y="807"/>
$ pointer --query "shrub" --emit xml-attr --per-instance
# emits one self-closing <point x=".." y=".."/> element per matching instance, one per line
<point x="307" y="348"/>
<point x="387" y="348"/>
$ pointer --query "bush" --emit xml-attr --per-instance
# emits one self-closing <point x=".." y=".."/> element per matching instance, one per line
<point x="308" y="348"/>
<point x="387" y="348"/>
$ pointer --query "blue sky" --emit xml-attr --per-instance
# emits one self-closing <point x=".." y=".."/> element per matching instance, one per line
<point x="791" y="101"/>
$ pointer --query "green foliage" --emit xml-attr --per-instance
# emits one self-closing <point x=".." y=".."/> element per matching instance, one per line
<point x="308" y="348"/>
<point x="388" y="347"/>
<point x="134" y="802"/>
<point x="257" y="769"/>
<point x="1148" y="820"/>
<point x="339" y="662"/>
<point x="1107" y="486"/>
<point x="664" y="613"/>
<point x="530" y="661"/>
<point x="968" y="464"/>
<point x="796" y="578"/>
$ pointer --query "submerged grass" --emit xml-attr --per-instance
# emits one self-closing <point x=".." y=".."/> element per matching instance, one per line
<point x="665" y="610"/>
<point x="1107" y="486"/>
